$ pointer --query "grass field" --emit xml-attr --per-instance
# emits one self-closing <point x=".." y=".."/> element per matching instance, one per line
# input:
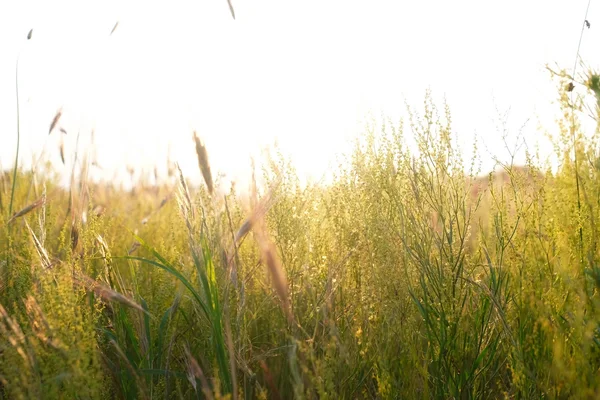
<point x="408" y="276"/>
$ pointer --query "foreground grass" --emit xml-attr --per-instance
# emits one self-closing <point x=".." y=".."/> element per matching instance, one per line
<point x="406" y="277"/>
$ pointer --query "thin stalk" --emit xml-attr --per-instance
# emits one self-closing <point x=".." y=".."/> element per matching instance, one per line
<point x="14" y="182"/>
<point x="575" y="138"/>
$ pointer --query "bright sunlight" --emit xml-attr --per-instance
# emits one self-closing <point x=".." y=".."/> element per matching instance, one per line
<point x="306" y="75"/>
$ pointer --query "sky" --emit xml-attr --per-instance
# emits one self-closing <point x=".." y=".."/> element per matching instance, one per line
<point x="305" y="75"/>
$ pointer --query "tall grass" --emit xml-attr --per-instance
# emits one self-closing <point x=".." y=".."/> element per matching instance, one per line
<point x="410" y="275"/>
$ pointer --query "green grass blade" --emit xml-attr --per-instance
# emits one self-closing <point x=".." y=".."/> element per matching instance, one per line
<point x="176" y="274"/>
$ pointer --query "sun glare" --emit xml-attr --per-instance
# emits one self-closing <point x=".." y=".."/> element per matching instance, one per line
<point x="307" y="75"/>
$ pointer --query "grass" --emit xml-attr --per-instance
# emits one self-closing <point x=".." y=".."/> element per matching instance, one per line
<point x="410" y="275"/>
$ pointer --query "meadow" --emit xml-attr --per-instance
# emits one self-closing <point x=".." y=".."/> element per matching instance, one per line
<point x="409" y="275"/>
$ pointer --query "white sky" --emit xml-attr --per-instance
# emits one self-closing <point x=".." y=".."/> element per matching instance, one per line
<point x="305" y="73"/>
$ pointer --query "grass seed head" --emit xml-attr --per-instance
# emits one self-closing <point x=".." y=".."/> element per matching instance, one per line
<point x="26" y="210"/>
<point x="55" y="120"/>
<point x="278" y="276"/>
<point x="62" y="150"/>
<point x="203" y="162"/>
<point x="106" y="293"/>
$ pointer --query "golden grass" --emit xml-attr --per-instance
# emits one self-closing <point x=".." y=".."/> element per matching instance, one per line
<point x="27" y="209"/>
<point x="203" y="163"/>
<point x="55" y="120"/>
<point x="318" y="291"/>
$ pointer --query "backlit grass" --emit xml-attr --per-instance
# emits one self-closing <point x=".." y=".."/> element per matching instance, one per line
<point x="410" y="275"/>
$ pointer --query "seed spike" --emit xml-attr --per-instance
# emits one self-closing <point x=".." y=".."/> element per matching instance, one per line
<point x="55" y="120"/>
<point x="203" y="163"/>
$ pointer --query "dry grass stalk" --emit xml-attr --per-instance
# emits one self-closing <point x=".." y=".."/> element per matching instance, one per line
<point x="46" y="263"/>
<point x="114" y="28"/>
<point x="279" y="279"/>
<point x="260" y="210"/>
<point x="106" y="293"/>
<point x="26" y="210"/>
<point x="183" y="190"/>
<point x="55" y="120"/>
<point x="231" y="9"/>
<point x="61" y="149"/>
<point x="203" y="163"/>
<point x="270" y="381"/>
<point x="194" y="371"/>
<point x="134" y="246"/>
<point x="185" y="202"/>
<point x="244" y="229"/>
<point x="103" y="248"/>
